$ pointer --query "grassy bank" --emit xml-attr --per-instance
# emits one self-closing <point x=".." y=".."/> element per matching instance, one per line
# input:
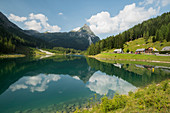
<point x="12" y="56"/>
<point x="153" y="98"/>
<point x="133" y="57"/>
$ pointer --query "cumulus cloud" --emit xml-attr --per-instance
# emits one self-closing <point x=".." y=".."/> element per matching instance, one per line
<point x="43" y="23"/>
<point x="33" y="24"/>
<point x="37" y="22"/>
<point x="128" y="17"/>
<point x="60" y="13"/>
<point x="17" y="18"/>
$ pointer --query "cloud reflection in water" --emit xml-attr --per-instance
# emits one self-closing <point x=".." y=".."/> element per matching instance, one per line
<point x="35" y="83"/>
<point x="101" y="83"/>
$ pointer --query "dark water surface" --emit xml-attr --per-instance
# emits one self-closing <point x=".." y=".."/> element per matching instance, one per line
<point x="67" y="82"/>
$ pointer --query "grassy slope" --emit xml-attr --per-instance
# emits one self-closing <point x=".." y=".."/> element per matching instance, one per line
<point x="112" y="56"/>
<point x="151" y="99"/>
<point x="140" y="43"/>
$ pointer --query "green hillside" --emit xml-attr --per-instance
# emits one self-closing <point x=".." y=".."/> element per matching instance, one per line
<point x="141" y="43"/>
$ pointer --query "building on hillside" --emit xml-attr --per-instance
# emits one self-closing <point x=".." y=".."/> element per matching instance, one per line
<point x="167" y="48"/>
<point x="151" y="50"/>
<point x="139" y="51"/>
<point x="118" y="51"/>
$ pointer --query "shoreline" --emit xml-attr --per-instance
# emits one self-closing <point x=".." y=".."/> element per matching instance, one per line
<point x="12" y="56"/>
<point x="112" y="58"/>
<point x="153" y="61"/>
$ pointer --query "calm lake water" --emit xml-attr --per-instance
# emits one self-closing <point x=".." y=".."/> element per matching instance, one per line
<point x="66" y="82"/>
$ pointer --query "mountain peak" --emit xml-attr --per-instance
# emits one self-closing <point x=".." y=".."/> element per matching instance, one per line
<point x="86" y="29"/>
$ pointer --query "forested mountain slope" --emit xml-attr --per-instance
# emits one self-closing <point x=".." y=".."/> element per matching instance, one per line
<point x="14" y="40"/>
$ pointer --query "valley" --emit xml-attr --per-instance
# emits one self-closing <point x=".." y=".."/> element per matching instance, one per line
<point x="86" y="56"/>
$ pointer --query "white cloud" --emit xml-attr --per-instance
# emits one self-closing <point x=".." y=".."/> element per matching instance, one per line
<point x="128" y="17"/>
<point x="40" y="17"/>
<point x="60" y="13"/>
<point x="36" y="22"/>
<point x="17" y="18"/>
<point x="33" y="24"/>
<point x="101" y="83"/>
<point x="43" y="22"/>
<point x="76" y="29"/>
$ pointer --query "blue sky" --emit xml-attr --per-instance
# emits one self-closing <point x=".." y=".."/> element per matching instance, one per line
<point x="105" y="17"/>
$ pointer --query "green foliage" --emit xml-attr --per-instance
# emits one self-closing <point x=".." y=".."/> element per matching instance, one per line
<point x="61" y="50"/>
<point x="158" y="27"/>
<point x="14" y="41"/>
<point x="6" y="45"/>
<point x="164" y="52"/>
<point x="118" y="101"/>
<point x="154" y="98"/>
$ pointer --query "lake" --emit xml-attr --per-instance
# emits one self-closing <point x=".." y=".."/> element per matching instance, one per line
<point x="63" y="83"/>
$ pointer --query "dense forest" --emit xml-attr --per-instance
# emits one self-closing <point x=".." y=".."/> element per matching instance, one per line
<point x="11" y="42"/>
<point x="158" y="27"/>
<point x="62" y="50"/>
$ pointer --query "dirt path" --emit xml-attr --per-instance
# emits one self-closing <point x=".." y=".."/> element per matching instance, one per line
<point x="47" y="52"/>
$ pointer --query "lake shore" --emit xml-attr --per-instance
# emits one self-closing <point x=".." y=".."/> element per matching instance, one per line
<point x="12" y="56"/>
<point x="132" y="57"/>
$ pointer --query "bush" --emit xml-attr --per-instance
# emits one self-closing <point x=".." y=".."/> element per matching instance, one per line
<point x="164" y="52"/>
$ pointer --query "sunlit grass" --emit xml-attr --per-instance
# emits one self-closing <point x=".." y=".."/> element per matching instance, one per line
<point x="141" y="43"/>
<point x="113" y="56"/>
